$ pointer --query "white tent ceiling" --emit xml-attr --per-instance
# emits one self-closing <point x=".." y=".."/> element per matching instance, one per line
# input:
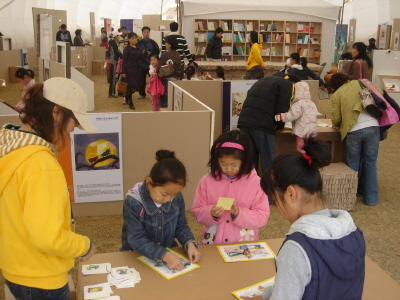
<point x="318" y="8"/>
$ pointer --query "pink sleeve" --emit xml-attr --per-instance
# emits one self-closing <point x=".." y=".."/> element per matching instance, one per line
<point x="201" y="210"/>
<point x="293" y="114"/>
<point x="257" y="215"/>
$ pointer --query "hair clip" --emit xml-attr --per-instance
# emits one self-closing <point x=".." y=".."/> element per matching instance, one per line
<point x="309" y="158"/>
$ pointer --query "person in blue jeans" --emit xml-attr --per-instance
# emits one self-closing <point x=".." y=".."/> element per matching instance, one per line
<point x="154" y="214"/>
<point x="268" y="96"/>
<point x="360" y="132"/>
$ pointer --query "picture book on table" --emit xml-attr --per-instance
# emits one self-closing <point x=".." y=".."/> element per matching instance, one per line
<point x="254" y="290"/>
<point x="246" y="252"/>
<point x="163" y="269"/>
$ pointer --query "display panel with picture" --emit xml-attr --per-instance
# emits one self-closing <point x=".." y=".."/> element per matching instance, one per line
<point x="390" y="83"/>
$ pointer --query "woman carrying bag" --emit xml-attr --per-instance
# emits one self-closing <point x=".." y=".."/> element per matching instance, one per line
<point x="168" y="57"/>
<point x="361" y="67"/>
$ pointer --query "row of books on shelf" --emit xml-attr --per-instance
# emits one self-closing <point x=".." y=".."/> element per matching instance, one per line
<point x="305" y="28"/>
<point x="203" y="37"/>
<point x="263" y="38"/>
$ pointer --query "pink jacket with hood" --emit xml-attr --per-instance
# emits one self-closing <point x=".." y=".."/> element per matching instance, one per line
<point x="303" y="112"/>
<point x="253" y="208"/>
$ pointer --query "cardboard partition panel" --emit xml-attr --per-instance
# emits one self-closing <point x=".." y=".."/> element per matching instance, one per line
<point x="99" y="53"/>
<point x="143" y="134"/>
<point x="177" y="131"/>
<point x="208" y="92"/>
<point x="59" y="17"/>
<point x="57" y="69"/>
<point x="86" y="84"/>
<point x="7" y="59"/>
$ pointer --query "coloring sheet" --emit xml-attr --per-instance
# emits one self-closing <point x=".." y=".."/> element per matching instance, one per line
<point x="163" y="269"/>
<point x="246" y="252"/>
<point x="254" y="290"/>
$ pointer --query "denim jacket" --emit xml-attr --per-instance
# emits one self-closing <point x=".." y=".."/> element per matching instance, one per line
<point x="148" y="229"/>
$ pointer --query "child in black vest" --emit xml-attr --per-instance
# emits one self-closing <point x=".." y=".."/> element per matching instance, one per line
<point x="323" y="256"/>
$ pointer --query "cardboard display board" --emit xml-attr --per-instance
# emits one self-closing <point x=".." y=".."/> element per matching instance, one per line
<point x="5" y="43"/>
<point x="395" y="42"/>
<point x="13" y="58"/>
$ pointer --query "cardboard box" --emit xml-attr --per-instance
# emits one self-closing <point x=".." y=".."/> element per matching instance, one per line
<point x="339" y="189"/>
<point x="72" y="290"/>
<point x="80" y="69"/>
<point x="97" y="67"/>
<point x="13" y="69"/>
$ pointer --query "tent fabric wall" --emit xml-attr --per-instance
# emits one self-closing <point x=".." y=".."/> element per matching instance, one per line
<point x="318" y="8"/>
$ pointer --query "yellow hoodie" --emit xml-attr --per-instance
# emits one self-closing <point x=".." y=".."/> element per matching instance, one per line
<point x="255" y="58"/>
<point x="37" y="245"/>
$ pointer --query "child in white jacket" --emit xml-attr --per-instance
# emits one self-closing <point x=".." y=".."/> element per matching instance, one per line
<point x="303" y="113"/>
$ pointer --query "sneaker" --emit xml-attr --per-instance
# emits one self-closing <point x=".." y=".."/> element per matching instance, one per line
<point x="141" y="97"/>
<point x="124" y="101"/>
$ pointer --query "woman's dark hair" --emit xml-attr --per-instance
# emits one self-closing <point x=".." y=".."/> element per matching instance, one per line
<point x="190" y="71"/>
<point x="337" y="80"/>
<point x="346" y="55"/>
<point x="254" y="37"/>
<point x="362" y="53"/>
<point x="295" y="56"/>
<point x="38" y="112"/>
<point x="173" y="26"/>
<point x="21" y="72"/>
<point x="170" y="39"/>
<point x="131" y="35"/>
<point x="237" y="137"/>
<point x="167" y="169"/>
<point x="78" y="32"/>
<point x="219" y="30"/>
<point x="297" y="168"/>
<point x="220" y="72"/>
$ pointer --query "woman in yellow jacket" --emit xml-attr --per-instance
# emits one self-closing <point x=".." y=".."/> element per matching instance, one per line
<point x="255" y="65"/>
<point x="37" y="244"/>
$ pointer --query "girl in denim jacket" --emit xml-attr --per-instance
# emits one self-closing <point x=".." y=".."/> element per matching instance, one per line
<point x="154" y="214"/>
<point x="232" y="176"/>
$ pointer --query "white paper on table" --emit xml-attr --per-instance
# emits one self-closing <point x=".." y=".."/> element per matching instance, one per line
<point x="96" y="269"/>
<point x="97" y="291"/>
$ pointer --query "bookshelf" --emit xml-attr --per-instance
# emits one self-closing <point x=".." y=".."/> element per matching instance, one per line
<point x="279" y="38"/>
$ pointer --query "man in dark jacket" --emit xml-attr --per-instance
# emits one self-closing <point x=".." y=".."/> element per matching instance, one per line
<point x="149" y="48"/>
<point x="214" y="46"/>
<point x="63" y="35"/>
<point x="268" y="96"/>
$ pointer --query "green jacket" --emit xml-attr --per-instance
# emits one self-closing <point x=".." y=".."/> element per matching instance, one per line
<point x="346" y="106"/>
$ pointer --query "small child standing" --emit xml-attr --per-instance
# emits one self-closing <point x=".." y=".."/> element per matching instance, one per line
<point x="232" y="176"/>
<point x="157" y="203"/>
<point x="156" y="88"/>
<point x="303" y="113"/>
<point x="323" y="256"/>
<point x="220" y="73"/>
<point x="191" y="73"/>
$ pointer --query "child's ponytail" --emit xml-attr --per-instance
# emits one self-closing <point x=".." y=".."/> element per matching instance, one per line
<point x="297" y="168"/>
<point x="167" y="169"/>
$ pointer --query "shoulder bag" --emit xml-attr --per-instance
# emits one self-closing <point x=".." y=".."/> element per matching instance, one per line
<point x="368" y="102"/>
<point x="167" y="70"/>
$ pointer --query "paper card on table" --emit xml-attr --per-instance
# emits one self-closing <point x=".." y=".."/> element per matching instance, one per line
<point x="225" y="203"/>
<point x="96" y="269"/>
<point x="246" y="252"/>
<point x="97" y="291"/>
<point x="254" y="290"/>
<point x="163" y="269"/>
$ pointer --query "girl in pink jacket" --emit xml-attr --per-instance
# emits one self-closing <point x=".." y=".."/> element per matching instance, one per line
<point x="303" y="113"/>
<point x="232" y="176"/>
